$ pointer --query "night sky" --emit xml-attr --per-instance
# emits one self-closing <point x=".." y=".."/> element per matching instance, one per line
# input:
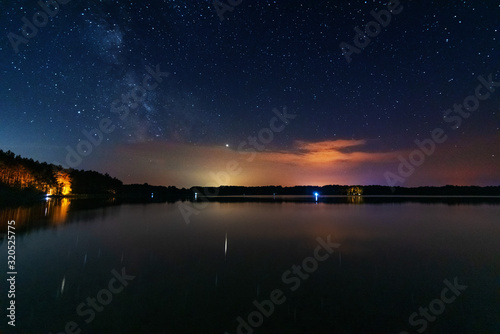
<point x="196" y="88"/>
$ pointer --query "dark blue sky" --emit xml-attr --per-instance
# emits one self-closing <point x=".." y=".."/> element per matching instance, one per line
<point x="226" y="77"/>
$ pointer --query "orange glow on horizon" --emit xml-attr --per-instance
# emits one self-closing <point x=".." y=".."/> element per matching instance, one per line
<point x="306" y="163"/>
<point x="343" y="162"/>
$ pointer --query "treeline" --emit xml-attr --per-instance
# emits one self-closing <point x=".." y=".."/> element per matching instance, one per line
<point x="22" y="173"/>
<point x="25" y="180"/>
<point x="94" y="183"/>
<point x="448" y="190"/>
<point x="22" y="176"/>
<point x="154" y="193"/>
<point x="343" y="190"/>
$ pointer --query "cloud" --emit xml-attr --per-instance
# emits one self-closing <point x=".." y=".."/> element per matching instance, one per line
<point x="326" y="153"/>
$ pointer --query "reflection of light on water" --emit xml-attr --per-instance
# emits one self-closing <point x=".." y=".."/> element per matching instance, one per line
<point x="355" y="199"/>
<point x="59" y="210"/>
<point x="63" y="283"/>
<point x="316" y="196"/>
<point x="53" y="211"/>
<point x="225" y="247"/>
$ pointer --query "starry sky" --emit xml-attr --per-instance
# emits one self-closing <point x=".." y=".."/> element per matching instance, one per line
<point x="181" y="93"/>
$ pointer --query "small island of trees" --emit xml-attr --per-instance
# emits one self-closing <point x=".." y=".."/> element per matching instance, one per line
<point x="355" y="191"/>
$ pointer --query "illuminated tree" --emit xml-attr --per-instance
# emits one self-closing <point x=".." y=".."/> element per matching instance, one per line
<point x="63" y="183"/>
<point x="355" y="191"/>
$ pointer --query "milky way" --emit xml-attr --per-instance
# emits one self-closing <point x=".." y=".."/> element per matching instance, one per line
<point x="226" y="77"/>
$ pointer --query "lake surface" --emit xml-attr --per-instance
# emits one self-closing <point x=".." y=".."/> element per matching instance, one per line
<point x="256" y="266"/>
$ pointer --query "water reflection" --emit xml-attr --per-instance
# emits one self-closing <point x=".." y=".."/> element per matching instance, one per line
<point x="49" y="213"/>
<point x="331" y="199"/>
<point x="199" y="277"/>
<point x="355" y="200"/>
<point x="57" y="210"/>
<point x="53" y="211"/>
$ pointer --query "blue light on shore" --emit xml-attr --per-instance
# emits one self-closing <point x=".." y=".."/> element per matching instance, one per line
<point x="316" y="196"/>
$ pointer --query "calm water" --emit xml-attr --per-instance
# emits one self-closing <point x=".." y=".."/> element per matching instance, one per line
<point x="391" y="260"/>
